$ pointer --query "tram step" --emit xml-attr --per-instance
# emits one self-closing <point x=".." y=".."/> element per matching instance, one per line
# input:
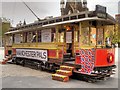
<point x="64" y="72"/>
<point x="60" y="77"/>
<point x="6" y="59"/>
<point x="68" y="59"/>
<point x="68" y="68"/>
<point x="67" y="55"/>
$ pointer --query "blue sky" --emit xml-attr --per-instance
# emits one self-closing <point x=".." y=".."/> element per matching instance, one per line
<point x="17" y="11"/>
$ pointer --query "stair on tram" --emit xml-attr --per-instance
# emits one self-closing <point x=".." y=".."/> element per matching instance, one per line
<point x="6" y="59"/>
<point x="63" y="73"/>
<point x="68" y="57"/>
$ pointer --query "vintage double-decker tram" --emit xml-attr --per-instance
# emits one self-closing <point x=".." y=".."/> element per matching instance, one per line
<point x="78" y="40"/>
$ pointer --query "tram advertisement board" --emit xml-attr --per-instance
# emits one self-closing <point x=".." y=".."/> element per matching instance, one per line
<point x="32" y="54"/>
<point x="68" y="37"/>
<point x="46" y="35"/>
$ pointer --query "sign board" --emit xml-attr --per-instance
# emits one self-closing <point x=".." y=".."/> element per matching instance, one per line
<point x="46" y="35"/>
<point x="68" y="37"/>
<point x="32" y="54"/>
<point x="101" y="11"/>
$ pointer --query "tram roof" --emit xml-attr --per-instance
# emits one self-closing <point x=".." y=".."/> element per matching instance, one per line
<point x="71" y="18"/>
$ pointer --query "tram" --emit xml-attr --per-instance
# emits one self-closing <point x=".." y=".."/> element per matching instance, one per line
<point x="78" y="40"/>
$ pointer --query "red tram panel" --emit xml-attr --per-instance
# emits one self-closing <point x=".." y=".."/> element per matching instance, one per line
<point x="103" y="56"/>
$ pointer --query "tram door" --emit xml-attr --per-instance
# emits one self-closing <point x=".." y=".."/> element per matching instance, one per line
<point x="69" y="42"/>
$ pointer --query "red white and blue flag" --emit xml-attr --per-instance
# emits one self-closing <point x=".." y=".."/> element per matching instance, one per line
<point x="87" y="57"/>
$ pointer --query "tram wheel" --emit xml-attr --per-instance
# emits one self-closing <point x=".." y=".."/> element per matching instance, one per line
<point x="41" y="67"/>
<point x="52" y="67"/>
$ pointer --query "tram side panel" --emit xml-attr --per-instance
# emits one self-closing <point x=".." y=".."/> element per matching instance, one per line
<point x="105" y="57"/>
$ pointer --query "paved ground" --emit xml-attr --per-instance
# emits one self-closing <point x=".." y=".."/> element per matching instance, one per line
<point x="14" y="76"/>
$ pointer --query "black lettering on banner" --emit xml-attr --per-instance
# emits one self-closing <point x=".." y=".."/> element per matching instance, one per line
<point x="36" y="54"/>
<point x="23" y="53"/>
<point x="39" y="54"/>
<point x="44" y="55"/>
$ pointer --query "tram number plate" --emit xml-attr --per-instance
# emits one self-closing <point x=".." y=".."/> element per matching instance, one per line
<point x="32" y="54"/>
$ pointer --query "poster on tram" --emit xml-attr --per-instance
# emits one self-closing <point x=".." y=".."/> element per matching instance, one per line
<point x="68" y="37"/>
<point x="46" y="35"/>
<point x="32" y="54"/>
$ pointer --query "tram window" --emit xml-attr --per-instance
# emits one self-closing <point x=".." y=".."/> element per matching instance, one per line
<point x="76" y="36"/>
<point x="29" y="36"/>
<point x="53" y="35"/>
<point x="21" y="38"/>
<point x="100" y="36"/>
<point x="39" y="36"/>
<point x="61" y="36"/>
<point x="33" y="36"/>
<point x="25" y="37"/>
<point x="13" y="38"/>
<point x="85" y="36"/>
<point x="18" y="38"/>
<point x="93" y="36"/>
<point x="9" y="40"/>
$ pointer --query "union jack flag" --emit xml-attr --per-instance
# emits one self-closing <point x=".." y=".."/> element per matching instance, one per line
<point x="87" y="60"/>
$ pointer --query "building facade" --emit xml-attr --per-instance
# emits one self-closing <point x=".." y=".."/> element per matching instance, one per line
<point x="73" y="6"/>
<point x="4" y="26"/>
<point x="117" y="17"/>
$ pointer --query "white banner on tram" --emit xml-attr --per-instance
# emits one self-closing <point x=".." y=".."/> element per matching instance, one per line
<point x="32" y="54"/>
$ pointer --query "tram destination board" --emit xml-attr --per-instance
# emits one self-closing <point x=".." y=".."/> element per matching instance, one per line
<point x="101" y="11"/>
<point x="32" y="54"/>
